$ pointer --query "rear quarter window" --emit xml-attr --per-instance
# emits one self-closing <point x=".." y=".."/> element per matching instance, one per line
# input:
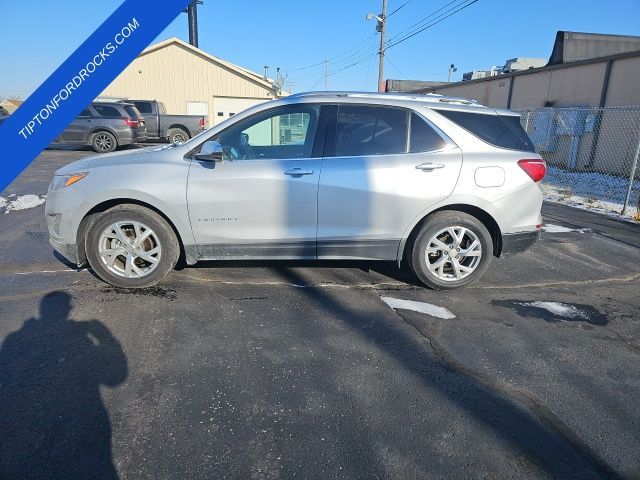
<point x="504" y="131"/>
<point x="107" y="111"/>
<point x="132" y="111"/>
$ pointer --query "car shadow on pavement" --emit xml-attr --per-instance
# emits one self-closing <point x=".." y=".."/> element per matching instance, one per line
<point x="53" y="422"/>
<point x="548" y="447"/>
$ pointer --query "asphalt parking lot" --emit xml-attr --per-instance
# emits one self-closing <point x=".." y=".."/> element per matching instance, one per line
<point x="297" y="370"/>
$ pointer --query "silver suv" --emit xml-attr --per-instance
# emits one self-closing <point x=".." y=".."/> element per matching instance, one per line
<point x="443" y="184"/>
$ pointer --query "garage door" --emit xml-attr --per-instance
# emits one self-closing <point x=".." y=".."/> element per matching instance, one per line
<point x="228" y="107"/>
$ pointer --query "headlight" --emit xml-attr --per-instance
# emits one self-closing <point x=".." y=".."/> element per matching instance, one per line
<point x="60" y="181"/>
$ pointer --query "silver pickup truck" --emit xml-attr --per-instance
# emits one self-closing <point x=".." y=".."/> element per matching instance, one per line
<point x="174" y="128"/>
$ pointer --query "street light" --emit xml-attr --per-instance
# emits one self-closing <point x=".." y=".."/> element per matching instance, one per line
<point x="452" y="68"/>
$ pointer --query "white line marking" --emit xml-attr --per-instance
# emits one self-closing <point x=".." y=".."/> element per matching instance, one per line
<point x="45" y="271"/>
<point x="420" y="307"/>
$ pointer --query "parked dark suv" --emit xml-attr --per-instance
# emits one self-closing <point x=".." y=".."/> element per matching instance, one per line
<point x="105" y="126"/>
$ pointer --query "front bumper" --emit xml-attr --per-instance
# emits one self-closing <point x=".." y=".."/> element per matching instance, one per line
<point x="67" y="250"/>
<point x="513" y="243"/>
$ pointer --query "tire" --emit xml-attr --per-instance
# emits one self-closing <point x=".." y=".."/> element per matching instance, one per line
<point x="103" y="142"/>
<point x="439" y="243"/>
<point x="123" y="265"/>
<point x="177" y="136"/>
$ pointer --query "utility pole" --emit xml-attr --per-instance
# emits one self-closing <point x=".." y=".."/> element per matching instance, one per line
<point x="382" y="24"/>
<point x="326" y="74"/>
<point x="381" y="27"/>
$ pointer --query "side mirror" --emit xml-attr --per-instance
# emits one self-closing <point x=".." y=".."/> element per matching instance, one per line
<point x="210" y="151"/>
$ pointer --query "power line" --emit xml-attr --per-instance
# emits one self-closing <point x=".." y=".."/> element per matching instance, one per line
<point x="345" y="52"/>
<point x="412" y="32"/>
<point x="401" y="6"/>
<point x="423" y="20"/>
<point x="360" y="55"/>
<point x="337" y="64"/>
<point x="407" y="37"/>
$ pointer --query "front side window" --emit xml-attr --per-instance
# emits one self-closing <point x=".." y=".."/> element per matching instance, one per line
<point x="283" y="134"/>
<point x="367" y="130"/>
<point x="107" y="111"/>
<point x="85" y="113"/>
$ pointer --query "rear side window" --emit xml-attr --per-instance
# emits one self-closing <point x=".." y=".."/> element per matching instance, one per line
<point x="423" y="137"/>
<point x="107" y="111"/>
<point x="504" y="131"/>
<point x="365" y="130"/>
<point x="132" y="111"/>
<point x="144" y="107"/>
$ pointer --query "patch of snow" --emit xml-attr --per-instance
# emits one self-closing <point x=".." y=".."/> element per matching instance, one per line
<point x="550" y="228"/>
<point x="559" y="309"/>
<point x="22" y="202"/>
<point x="593" y="191"/>
<point x="420" y="307"/>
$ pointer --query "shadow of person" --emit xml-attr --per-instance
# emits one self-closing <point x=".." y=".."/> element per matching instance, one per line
<point x="53" y="423"/>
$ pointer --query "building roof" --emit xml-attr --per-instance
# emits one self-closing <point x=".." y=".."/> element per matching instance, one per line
<point x="410" y="85"/>
<point x="530" y="71"/>
<point x="241" y="71"/>
<point x="577" y="46"/>
<point x="12" y="101"/>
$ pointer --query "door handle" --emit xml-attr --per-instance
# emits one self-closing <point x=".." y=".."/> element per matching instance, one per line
<point x="429" y="167"/>
<point x="297" y="172"/>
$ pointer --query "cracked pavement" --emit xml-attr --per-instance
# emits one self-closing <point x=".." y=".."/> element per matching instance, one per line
<point x="300" y="370"/>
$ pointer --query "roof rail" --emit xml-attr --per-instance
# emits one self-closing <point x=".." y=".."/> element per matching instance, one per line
<point x="428" y="97"/>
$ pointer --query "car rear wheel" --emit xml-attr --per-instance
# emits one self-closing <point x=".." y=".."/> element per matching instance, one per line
<point x="452" y="250"/>
<point x="130" y="246"/>
<point x="177" y="136"/>
<point x="103" y="142"/>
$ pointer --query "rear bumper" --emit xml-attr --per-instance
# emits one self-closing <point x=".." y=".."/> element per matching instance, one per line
<point x="513" y="243"/>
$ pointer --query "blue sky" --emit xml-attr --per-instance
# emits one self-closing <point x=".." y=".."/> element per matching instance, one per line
<point x="42" y="33"/>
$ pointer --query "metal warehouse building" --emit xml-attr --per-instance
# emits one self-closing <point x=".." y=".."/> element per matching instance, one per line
<point x="190" y="81"/>
<point x="585" y="69"/>
<point x="582" y="109"/>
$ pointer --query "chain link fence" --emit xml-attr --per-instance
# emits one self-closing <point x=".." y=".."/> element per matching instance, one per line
<point x="591" y="153"/>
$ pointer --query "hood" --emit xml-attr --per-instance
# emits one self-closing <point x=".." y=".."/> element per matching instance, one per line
<point x="150" y="155"/>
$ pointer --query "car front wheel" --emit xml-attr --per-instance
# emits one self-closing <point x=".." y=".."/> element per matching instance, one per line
<point x="130" y="246"/>
<point x="453" y="249"/>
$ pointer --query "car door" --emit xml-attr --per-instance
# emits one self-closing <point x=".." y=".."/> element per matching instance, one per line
<point x="261" y="200"/>
<point x="150" y="118"/>
<point x="78" y="130"/>
<point x="383" y="167"/>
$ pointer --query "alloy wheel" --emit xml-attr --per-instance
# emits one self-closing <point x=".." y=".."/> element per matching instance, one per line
<point x="453" y="253"/>
<point x="129" y="249"/>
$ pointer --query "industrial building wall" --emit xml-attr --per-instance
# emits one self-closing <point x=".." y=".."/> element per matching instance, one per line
<point x="177" y="76"/>
<point x="574" y="85"/>
<point x="579" y="85"/>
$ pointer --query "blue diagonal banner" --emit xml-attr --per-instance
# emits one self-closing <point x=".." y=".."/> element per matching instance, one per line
<point x="82" y="77"/>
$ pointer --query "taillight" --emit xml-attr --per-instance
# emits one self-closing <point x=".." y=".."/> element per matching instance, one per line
<point x="202" y="123"/>
<point x="535" y="168"/>
<point x="130" y="123"/>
